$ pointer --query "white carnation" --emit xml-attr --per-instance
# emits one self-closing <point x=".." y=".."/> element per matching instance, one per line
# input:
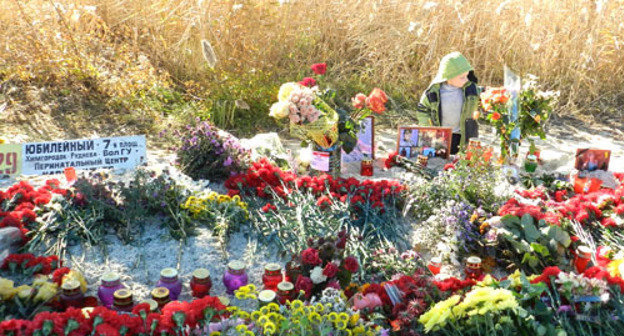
<point x="317" y="275"/>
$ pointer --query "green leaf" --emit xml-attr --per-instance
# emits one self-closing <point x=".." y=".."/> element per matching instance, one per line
<point x="558" y="234"/>
<point x="540" y="249"/>
<point x="530" y="259"/>
<point x="530" y="231"/>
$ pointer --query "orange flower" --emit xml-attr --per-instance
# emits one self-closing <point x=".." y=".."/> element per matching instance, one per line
<point x="377" y="92"/>
<point x="537" y="118"/>
<point x="496" y="116"/>
<point x="376" y="104"/>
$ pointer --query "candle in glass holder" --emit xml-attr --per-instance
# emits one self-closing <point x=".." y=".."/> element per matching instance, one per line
<point x="161" y="296"/>
<point x="123" y="300"/>
<point x="285" y="291"/>
<point x="169" y="279"/>
<point x="71" y="296"/>
<point x="530" y="163"/>
<point x="201" y="283"/>
<point x="582" y="258"/>
<point x="473" y="268"/>
<point x="266" y="296"/>
<point x="109" y="284"/>
<point x="435" y="265"/>
<point x="272" y="276"/>
<point x="152" y="304"/>
<point x="235" y="276"/>
<point x="366" y="166"/>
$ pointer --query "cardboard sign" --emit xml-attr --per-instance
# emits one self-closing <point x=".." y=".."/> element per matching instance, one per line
<point x="10" y="159"/>
<point x="43" y="158"/>
<point x="365" y="142"/>
<point x="320" y="161"/>
<point x="429" y="141"/>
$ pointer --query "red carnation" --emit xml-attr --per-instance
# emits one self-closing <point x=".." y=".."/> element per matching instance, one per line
<point x="105" y="329"/>
<point x="390" y="161"/>
<point x="57" y="276"/>
<point x="330" y="270"/>
<point x="304" y="284"/>
<point x="141" y="307"/>
<point x="620" y="209"/>
<point x="308" y="81"/>
<point x="319" y="68"/>
<point x="310" y="257"/>
<point x="449" y="166"/>
<point x="323" y="202"/>
<point x="351" y="264"/>
<point x="551" y="271"/>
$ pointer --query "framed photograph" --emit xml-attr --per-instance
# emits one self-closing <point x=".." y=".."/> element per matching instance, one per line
<point x="365" y="142"/>
<point x="590" y="159"/>
<point x="429" y="141"/>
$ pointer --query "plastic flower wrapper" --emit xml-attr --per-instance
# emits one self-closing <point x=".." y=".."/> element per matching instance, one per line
<point x="46" y="291"/>
<point x="6" y="289"/>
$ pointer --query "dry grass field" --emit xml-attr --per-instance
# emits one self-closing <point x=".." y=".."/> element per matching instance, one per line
<point x="140" y="62"/>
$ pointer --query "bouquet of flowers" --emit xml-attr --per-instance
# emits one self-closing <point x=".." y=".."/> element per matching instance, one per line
<point x="322" y="265"/>
<point x="311" y="118"/>
<point x="363" y="106"/>
<point x="535" y="108"/>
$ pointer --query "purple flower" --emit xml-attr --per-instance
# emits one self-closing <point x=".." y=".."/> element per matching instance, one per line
<point x="227" y="162"/>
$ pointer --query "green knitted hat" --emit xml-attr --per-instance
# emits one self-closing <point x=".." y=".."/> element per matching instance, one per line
<point x="451" y="65"/>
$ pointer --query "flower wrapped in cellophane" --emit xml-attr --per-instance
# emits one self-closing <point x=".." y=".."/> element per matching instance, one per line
<point x="310" y="118"/>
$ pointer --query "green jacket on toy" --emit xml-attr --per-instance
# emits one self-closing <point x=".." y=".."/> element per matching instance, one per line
<point x="429" y="110"/>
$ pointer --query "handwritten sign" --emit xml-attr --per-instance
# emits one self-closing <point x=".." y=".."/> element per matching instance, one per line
<point x="43" y="158"/>
<point x="10" y="157"/>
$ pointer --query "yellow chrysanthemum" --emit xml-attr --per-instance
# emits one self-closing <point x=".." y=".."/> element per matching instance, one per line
<point x="333" y="317"/>
<point x="255" y="315"/>
<point x="243" y="314"/>
<point x="240" y="295"/>
<point x="319" y="308"/>
<point x="359" y="330"/>
<point x="341" y="325"/>
<point x="262" y="320"/>
<point x="296" y="304"/>
<point x="269" y="328"/>
<point x="273" y="306"/>
<point x="343" y="317"/>
<point x="314" y="317"/>
<point x="232" y="309"/>
<point x="251" y="287"/>
<point x="249" y="333"/>
<point x="437" y="315"/>
<point x="264" y="310"/>
<point x="215" y="333"/>
<point x="354" y="319"/>
<point x="241" y="328"/>
<point x="614" y="267"/>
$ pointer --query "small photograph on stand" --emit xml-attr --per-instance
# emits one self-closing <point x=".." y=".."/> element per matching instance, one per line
<point x="590" y="159"/>
<point x="428" y="141"/>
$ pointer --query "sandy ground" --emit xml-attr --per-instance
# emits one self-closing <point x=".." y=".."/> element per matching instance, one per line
<point x="139" y="265"/>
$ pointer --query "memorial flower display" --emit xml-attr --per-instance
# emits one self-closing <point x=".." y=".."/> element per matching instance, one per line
<point x="217" y="244"/>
